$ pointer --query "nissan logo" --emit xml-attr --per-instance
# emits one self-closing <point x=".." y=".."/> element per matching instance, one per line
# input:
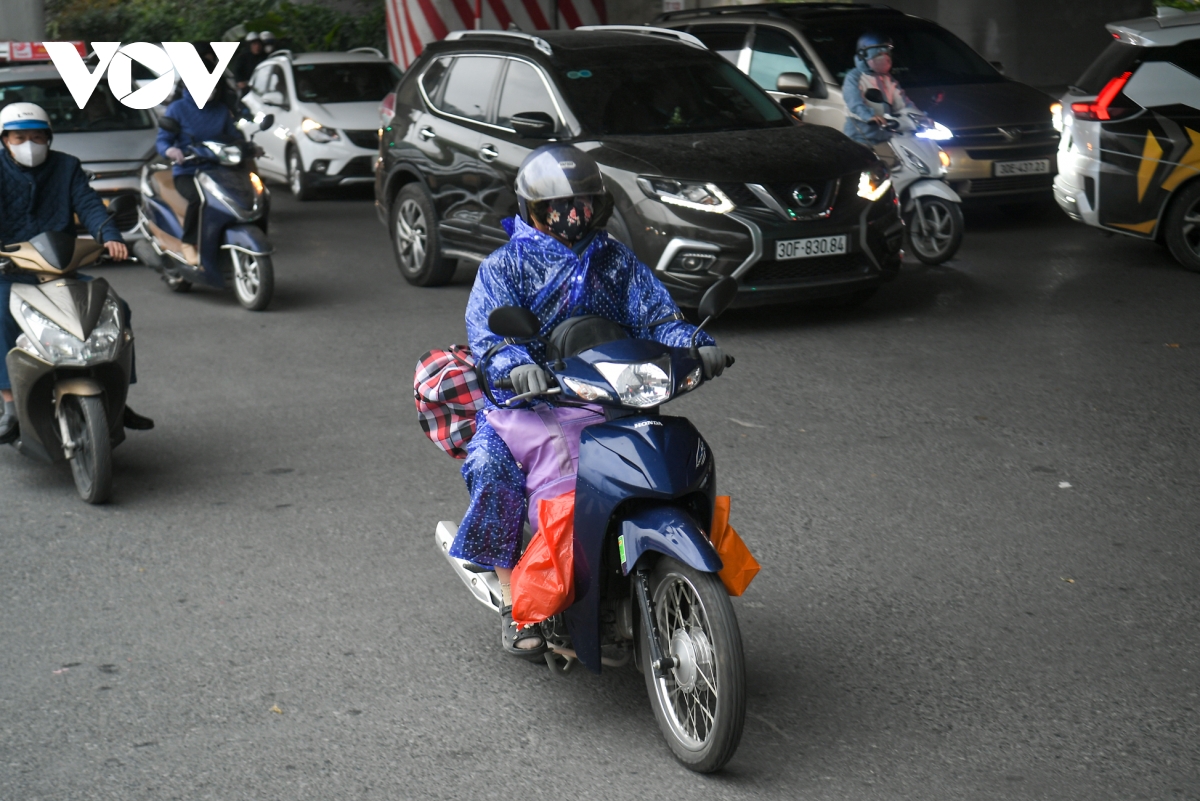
<point x="804" y="195"/>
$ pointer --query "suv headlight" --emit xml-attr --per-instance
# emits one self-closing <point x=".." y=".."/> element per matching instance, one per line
<point x="874" y="183"/>
<point x="232" y="205"/>
<point x="640" y="384"/>
<point x="318" y="132"/>
<point x="60" y="347"/>
<point x="688" y="194"/>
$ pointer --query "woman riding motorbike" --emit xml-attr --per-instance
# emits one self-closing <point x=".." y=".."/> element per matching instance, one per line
<point x="559" y="263"/>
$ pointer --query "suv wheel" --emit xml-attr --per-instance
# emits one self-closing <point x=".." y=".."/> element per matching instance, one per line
<point x="415" y="239"/>
<point x="297" y="180"/>
<point x="1183" y="227"/>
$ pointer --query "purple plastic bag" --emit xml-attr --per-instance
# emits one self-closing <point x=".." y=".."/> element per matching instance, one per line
<point x="544" y="440"/>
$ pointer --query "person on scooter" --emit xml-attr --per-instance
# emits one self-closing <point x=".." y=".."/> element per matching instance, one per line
<point x="211" y="122"/>
<point x="873" y="70"/>
<point x="559" y="263"/>
<point x="43" y="190"/>
<point x="247" y="61"/>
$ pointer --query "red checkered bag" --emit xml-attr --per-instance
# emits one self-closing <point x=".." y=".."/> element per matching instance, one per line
<point x="446" y="388"/>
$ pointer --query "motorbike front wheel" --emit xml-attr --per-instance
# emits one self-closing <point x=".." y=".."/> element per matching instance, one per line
<point x="700" y="703"/>
<point x="939" y="238"/>
<point x="253" y="279"/>
<point x="91" y="457"/>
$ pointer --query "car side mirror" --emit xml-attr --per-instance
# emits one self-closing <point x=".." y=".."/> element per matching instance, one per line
<point x="273" y="99"/>
<point x="718" y="298"/>
<point x="873" y="95"/>
<point x="170" y="125"/>
<point x="515" y="322"/>
<point x="533" y="124"/>
<point x="267" y="122"/>
<point x="794" y="83"/>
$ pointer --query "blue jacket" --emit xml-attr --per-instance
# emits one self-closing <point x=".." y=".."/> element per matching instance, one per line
<point x="47" y="197"/>
<point x="213" y="123"/>
<point x="537" y="272"/>
<point x="859" y="111"/>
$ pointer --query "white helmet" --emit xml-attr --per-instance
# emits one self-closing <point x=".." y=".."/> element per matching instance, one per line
<point x="24" y="117"/>
<point x="252" y="36"/>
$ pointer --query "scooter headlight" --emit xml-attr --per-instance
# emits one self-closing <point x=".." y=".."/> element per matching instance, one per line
<point x="641" y="384"/>
<point x="57" y="346"/>
<point x="935" y="131"/>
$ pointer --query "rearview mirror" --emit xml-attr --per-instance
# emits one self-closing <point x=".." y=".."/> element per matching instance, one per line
<point x="795" y="83"/>
<point x="515" y="322"/>
<point x="170" y="125"/>
<point x="718" y="298"/>
<point x="533" y="124"/>
<point x="873" y="95"/>
<point x="267" y="122"/>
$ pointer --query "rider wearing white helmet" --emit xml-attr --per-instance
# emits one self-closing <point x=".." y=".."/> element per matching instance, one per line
<point x="42" y="190"/>
<point x="249" y="56"/>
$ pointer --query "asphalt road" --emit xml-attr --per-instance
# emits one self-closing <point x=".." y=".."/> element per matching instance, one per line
<point x="975" y="500"/>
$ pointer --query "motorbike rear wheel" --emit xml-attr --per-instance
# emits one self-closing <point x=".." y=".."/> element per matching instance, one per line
<point x="253" y="279"/>
<point x="91" y="458"/>
<point x="939" y="239"/>
<point x="700" y="704"/>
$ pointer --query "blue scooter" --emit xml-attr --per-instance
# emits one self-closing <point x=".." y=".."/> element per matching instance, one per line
<point x="646" y="579"/>
<point x="233" y="246"/>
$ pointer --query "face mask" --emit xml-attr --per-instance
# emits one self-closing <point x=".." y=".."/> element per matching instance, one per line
<point x="569" y="217"/>
<point x="29" y="153"/>
<point x="881" y="64"/>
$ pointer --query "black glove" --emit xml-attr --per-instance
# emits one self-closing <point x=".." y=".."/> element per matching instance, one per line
<point x="529" y="378"/>
<point x="713" y="359"/>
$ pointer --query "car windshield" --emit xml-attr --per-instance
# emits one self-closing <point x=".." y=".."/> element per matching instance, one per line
<point x="102" y="112"/>
<point x="648" y="91"/>
<point x="345" y="83"/>
<point x="924" y="54"/>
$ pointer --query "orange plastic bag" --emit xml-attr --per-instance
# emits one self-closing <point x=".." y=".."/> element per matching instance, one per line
<point x="740" y="567"/>
<point x="543" y="582"/>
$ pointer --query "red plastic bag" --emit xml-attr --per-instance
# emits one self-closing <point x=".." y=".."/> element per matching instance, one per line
<point x="543" y="582"/>
<point x="740" y="567"/>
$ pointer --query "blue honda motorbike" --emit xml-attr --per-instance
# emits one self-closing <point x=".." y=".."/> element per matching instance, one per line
<point x="232" y="244"/>
<point x="646" y="583"/>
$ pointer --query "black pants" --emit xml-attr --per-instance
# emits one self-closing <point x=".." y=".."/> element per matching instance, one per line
<point x="186" y="186"/>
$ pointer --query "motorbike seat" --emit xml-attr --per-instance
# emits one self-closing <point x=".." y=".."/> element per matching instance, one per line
<point x="164" y="184"/>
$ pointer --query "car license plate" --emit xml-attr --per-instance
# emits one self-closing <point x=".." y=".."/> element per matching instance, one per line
<point x="1030" y="167"/>
<point x="807" y="248"/>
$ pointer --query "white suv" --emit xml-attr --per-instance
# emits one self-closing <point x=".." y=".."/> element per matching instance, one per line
<point x="326" y="107"/>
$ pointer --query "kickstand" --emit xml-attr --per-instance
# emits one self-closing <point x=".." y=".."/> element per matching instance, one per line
<point x="569" y="663"/>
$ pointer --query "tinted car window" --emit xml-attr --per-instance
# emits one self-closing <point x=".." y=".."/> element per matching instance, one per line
<point x="469" y="87"/>
<point x="1120" y="57"/>
<point x="102" y="112"/>
<point x="523" y="91"/>
<point x="432" y="79"/>
<point x="344" y="83"/>
<point x="772" y="53"/>
<point x="652" y="91"/>
<point x="924" y="55"/>
<point x="725" y="41"/>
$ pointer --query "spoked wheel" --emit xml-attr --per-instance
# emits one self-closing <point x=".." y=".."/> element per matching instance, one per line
<point x="935" y="229"/>
<point x="415" y="239"/>
<point x="700" y="703"/>
<point x="89" y="446"/>
<point x="253" y="279"/>
<point x="1182" y="225"/>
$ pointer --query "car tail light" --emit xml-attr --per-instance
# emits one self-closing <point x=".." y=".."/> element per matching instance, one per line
<point x="1101" y="108"/>
<point x="387" y="109"/>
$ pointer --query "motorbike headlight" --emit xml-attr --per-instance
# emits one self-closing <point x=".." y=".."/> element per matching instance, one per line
<point x="692" y="380"/>
<point x="318" y="132"/>
<point x="60" y="347"/>
<point x="587" y="390"/>
<point x="874" y="183"/>
<point x="230" y="155"/>
<point x="229" y="203"/>
<point x="640" y="384"/>
<point x="935" y="131"/>
<point x="688" y="194"/>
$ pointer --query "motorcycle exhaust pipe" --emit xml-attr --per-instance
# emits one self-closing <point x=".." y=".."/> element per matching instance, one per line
<point x="484" y="586"/>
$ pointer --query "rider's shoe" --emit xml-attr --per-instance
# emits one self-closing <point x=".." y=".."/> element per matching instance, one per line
<point x="9" y="429"/>
<point x="136" y="421"/>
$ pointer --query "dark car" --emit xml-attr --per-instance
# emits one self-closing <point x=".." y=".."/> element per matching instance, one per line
<point x="710" y="176"/>
<point x="1004" y="140"/>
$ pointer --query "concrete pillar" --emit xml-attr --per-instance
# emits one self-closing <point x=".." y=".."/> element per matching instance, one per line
<point x="22" y="20"/>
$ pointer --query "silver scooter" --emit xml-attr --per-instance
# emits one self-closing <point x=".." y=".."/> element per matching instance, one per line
<point x="931" y="209"/>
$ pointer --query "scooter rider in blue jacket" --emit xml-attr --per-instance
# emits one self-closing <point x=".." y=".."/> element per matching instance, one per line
<point x="873" y="70"/>
<point x="210" y="123"/>
<point x="43" y="190"/>
<point x="558" y="263"/>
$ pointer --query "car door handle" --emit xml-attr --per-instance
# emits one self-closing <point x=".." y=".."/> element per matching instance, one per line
<point x="427" y="134"/>
<point x="489" y="152"/>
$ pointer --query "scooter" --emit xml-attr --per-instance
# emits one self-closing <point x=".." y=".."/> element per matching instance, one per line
<point x="645" y="576"/>
<point x="71" y="365"/>
<point x="931" y="209"/>
<point x="233" y="242"/>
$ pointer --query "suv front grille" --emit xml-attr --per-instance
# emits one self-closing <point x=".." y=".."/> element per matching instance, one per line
<point x="786" y="272"/>
<point x="821" y="194"/>
<point x="1045" y="151"/>
<point x="1005" y="136"/>
<point x="1013" y="183"/>
<point x="357" y="167"/>
<point x="368" y="139"/>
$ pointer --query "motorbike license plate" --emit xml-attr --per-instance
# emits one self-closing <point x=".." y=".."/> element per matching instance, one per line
<point x="1029" y="167"/>
<point x="786" y="249"/>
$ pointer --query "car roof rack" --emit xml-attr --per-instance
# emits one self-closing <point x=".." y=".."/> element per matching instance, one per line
<point x="769" y="9"/>
<point x="374" y="50"/>
<point x="648" y="30"/>
<point x="537" y="41"/>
